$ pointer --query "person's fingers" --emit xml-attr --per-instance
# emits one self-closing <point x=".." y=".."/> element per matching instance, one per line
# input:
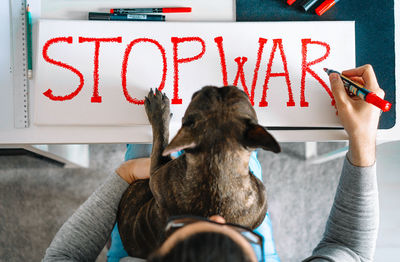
<point x="358" y="79"/>
<point x="358" y="71"/>
<point x="366" y="72"/>
<point x="338" y="90"/>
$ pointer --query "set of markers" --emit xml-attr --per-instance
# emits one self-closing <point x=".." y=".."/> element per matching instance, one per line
<point x="137" y="14"/>
<point x="322" y="8"/>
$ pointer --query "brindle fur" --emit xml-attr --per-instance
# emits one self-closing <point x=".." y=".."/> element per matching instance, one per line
<point x="219" y="131"/>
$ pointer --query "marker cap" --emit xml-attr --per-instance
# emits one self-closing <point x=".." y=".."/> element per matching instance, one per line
<point x="379" y="102"/>
<point x="325" y="6"/>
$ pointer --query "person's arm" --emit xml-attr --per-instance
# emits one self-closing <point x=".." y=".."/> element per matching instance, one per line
<point x="84" y="234"/>
<point x="352" y="227"/>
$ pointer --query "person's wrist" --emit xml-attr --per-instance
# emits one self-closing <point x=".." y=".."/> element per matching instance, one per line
<point x="362" y="151"/>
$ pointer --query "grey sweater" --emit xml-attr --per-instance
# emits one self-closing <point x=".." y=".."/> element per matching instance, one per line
<point x="350" y="233"/>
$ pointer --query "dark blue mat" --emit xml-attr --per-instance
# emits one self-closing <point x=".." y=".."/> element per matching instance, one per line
<point x="374" y="33"/>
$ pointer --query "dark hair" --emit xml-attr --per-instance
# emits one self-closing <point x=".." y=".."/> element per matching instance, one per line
<point x="204" y="247"/>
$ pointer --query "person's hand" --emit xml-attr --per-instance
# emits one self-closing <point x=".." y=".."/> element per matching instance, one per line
<point x="134" y="169"/>
<point x="359" y="118"/>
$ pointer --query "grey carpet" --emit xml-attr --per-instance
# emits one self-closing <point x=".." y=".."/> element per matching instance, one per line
<point x="37" y="197"/>
<point x="300" y="197"/>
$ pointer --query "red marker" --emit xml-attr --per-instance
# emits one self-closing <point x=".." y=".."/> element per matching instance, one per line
<point x="325" y="6"/>
<point x="363" y="93"/>
<point x="151" y="10"/>
<point x="290" y="2"/>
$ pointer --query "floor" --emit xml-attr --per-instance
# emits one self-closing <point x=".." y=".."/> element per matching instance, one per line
<point x="37" y="197"/>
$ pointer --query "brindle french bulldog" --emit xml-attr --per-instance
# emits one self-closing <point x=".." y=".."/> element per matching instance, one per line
<point x="219" y="131"/>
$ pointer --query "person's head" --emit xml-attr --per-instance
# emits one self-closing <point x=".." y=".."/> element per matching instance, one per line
<point x="199" y="239"/>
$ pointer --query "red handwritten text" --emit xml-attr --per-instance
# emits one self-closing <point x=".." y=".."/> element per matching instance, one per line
<point x="128" y="50"/>
<point x="177" y="42"/>
<point x="96" y="98"/>
<point x="49" y="92"/>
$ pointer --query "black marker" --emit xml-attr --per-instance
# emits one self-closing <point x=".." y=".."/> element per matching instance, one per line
<point x="151" y="10"/>
<point x="308" y="4"/>
<point x="125" y="17"/>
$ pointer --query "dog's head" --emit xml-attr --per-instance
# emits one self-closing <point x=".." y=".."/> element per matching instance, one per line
<point x="221" y="117"/>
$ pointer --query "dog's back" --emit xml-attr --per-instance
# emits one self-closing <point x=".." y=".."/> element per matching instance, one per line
<point x="219" y="131"/>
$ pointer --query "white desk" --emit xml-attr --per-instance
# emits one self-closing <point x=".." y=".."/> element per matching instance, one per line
<point x="203" y="10"/>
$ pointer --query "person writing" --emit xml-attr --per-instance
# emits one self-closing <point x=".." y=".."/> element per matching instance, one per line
<point x="351" y="229"/>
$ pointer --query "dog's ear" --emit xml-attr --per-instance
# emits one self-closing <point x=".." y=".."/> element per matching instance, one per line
<point x="256" y="136"/>
<point x="183" y="140"/>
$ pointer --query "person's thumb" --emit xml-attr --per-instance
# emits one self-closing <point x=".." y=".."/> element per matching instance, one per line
<point x="338" y="90"/>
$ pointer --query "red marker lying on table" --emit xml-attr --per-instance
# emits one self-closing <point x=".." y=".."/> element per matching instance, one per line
<point x="363" y="93"/>
<point x="325" y="6"/>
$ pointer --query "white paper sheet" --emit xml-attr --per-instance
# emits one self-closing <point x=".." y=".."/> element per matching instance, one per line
<point x="145" y="68"/>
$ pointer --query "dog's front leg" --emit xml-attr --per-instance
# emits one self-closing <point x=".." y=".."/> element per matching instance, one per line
<point x="158" y="113"/>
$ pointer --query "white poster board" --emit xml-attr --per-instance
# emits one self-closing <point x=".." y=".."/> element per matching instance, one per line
<point x="282" y="68"/>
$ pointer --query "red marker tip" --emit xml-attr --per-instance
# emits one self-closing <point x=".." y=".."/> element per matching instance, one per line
<point x="111" y="11"/>
<point x="290" y="2"/>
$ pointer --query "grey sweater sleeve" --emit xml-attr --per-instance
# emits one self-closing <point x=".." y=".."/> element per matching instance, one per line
<point x="86" y="232"/>
<point x="352" y="227"/>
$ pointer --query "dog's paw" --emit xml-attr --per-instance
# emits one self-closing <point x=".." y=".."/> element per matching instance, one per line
<point x="157" y="108"/>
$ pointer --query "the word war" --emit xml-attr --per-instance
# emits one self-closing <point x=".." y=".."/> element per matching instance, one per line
<point x="277" y="53"/>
